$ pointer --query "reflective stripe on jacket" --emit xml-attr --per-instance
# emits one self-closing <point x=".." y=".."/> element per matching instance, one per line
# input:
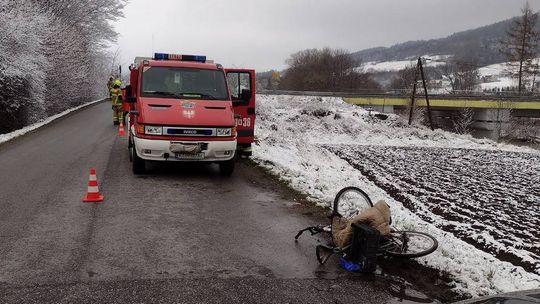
<point x="116" y="96"/>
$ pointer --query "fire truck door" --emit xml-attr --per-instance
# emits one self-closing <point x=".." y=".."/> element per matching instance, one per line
<point x="242" y="87"/>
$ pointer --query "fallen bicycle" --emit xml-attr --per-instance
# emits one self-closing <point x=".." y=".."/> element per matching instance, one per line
<point x="358" y="242"/>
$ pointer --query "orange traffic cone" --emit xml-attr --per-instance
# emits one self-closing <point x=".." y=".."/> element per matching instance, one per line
<point x="121" y="131"/>
<point x="93" y="195"/>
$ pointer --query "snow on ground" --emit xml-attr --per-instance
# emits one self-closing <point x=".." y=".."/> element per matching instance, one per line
<point x="501" y="83"/>
<point x="298" y="137"/>
<point x="498" y="73"/>
<point x="394" y="66"/>
<point x="496" y="69"/>
<point x="9" y="136"/>
<point x="496" y="76"/>
<point x="500" y="69"/>
<point x="486" y="197"/>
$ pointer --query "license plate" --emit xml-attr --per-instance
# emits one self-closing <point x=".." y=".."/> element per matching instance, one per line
<point x="187" y="156"/>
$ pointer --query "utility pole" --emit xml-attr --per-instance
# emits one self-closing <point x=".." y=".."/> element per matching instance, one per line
<point x="420" y="69"/>
<point x="426" y="92"/>
<point x="413" y="94"/>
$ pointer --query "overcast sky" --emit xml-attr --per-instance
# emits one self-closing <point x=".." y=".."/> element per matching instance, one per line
<point x="262" y="34"/>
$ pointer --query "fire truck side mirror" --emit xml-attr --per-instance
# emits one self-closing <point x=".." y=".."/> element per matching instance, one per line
<point x="129" y="95"/>
<point x="246" y="96"/>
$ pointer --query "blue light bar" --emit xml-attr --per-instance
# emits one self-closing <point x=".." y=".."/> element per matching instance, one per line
<point x="197" y="58"/>
<point x="164" y="56"/>
<point x="161" y="56"/>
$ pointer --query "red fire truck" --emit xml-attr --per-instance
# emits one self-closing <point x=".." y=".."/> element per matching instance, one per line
<point x="187" y="108"/>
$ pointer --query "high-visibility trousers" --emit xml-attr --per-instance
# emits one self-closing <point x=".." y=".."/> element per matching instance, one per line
<point x="118" y="112"/>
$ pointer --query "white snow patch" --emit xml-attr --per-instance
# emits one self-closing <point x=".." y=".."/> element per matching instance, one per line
<point x="9" y="136"/>
<point x="496" y="69"/>
<point x="290" y="131"/>
<point x="499" y="75"/>
<point x="394" y="66"/>
<point x="501" y="83"/>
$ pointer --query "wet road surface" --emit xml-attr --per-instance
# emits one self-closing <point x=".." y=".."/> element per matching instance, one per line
<point x="179" y="234"/>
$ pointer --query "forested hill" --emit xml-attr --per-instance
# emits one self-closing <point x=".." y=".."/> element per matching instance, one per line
<point x="480" y="46"/>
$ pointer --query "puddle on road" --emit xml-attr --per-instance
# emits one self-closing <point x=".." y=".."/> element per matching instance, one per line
<point x="406" y="280"/>
<point x="401" y="290"/>
<point x="404" y="292"/>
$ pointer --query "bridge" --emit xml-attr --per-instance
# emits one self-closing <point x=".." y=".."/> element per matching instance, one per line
<point x="490" y="112"/>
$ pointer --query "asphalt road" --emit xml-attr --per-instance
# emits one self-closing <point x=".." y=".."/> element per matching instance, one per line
<point x="179" y="234"/>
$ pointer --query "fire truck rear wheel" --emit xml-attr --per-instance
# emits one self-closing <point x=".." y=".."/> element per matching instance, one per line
<point x="226" y="168"/>
<point x="138" y="164"/>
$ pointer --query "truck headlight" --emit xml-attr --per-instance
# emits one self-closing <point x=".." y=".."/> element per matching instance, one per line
<point x="153" y="130"/>
<point x="224" y="132"/>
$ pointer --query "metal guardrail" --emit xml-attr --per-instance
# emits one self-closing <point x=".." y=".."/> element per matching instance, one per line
<point x="438" y="102"/>
<point x="402" y="95"/>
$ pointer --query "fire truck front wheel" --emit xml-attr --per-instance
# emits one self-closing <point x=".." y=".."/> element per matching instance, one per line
<point x="138" y="164"/>
<point x="226" y="168"/>
<point x="130" y="149"/>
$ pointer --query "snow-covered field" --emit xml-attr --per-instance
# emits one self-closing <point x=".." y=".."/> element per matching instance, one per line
<point x="494" y="76"/>
<point x="451" y="186"/>
<point x="394" y="66"/>
<point x="501" y="79"/>
<point x="486" y="197"/>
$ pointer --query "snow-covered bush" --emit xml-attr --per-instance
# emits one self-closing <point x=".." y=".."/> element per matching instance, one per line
<point x="22" y="62"/>
<point x="52" y="56"/>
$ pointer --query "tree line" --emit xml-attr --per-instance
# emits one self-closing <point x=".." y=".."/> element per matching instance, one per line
<point x="338" y="70"/>
<point x="520" y="48"/>
<point x="53" y="56"/>
<point x="325" y="70"/>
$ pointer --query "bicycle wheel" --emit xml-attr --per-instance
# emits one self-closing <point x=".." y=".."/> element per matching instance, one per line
<point x="408" y="244"/>
<point x="349" y="202"/>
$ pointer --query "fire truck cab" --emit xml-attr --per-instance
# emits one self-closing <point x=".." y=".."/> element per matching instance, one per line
<point x="187" y="108"/>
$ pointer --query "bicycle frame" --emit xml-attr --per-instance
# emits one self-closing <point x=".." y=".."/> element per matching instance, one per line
<point x="396" y="244"/>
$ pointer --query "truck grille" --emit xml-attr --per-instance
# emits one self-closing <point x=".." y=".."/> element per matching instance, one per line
<point x="179" y="131"/>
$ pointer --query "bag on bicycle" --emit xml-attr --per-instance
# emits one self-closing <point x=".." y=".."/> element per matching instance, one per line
<point x="364" y="247"/>
<point x="377" y="216"/>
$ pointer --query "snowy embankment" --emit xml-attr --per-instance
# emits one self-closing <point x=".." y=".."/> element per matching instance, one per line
<point x="293" y="136"/>
<point x="12" y="135"/>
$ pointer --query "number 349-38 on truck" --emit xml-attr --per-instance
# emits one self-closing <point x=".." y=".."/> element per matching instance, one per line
<point x="186" y="108"/>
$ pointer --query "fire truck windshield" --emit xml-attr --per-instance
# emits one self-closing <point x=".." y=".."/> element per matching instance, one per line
<point x="189" y="83"/>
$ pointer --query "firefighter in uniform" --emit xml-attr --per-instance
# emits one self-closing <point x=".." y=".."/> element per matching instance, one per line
<point x="116" y="98"/>
<point x="110" y="85"/>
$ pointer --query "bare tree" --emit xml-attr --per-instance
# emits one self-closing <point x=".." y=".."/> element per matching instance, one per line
<point x="404" y="81"/>
<point x="463" y="120"/>
<point x="22" y="59"/>
<point x="53" y="56"/>
<point x="114" y="64"/>
<point x="524" y="128"/>
<point x="463" y="76"/>
<point x="324" y="70"/>
<point x="521" y="44"/>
